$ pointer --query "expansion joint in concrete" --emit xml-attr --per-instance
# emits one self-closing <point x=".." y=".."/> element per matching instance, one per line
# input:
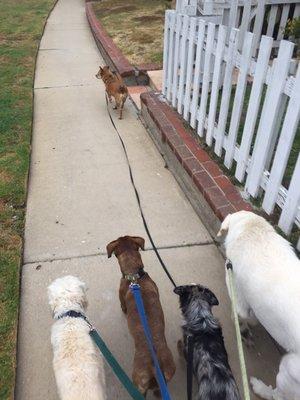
<point x="179" y="246"/>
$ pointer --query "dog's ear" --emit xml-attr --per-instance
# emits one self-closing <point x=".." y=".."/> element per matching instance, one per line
<point x="110" y="248"/>
<point x="139" y="241"/>
<point x="101" y="69"/>
<point x="224" y="227"/>
<point x="180" y="290"/>
<point x="211" y="297"/>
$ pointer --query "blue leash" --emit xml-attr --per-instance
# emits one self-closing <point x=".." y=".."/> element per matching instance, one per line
<point x="136" y="290"/>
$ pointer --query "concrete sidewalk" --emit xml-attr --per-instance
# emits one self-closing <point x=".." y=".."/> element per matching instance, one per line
<point x="80" y="198"/>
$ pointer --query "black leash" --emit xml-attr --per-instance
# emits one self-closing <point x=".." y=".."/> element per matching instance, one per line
<point x="138" y="199"/>
<point x="190" y="366"/>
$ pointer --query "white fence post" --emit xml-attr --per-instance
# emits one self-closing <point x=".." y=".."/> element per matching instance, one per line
<point x="284" y="146"/>
<point x="190" y="65"/>
<point x="206" y="77"/>
<point x="170" y="59"/>
<point x="183" y="54"/>
<point x="176" y="59"/>
<point x="292" y="200"/>
<point x="238" y="99"/>
<point x="197" y="74"/>
<point x="166" y="49"/>
<point x="226" y="93"/>
<point x="268" y="117"/>
<point x="216" y="83"/>
<point x="253" y="107"/>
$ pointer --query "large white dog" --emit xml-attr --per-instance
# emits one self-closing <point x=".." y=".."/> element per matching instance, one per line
<point x="76" y="364"/>
<point x="267" y="278"/>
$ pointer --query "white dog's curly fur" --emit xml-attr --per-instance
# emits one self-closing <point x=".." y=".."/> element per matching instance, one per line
<point x="76" y="363"/>
<point x="267" y="278"/>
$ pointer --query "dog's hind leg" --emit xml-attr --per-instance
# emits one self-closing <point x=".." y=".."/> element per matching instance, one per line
<point x="180" y="348"/>
<point x="264" y="391"/>
<point x="109" y="96"/>
<point x="121" y="110"/>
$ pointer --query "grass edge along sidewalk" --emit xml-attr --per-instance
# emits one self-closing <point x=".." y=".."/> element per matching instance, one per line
<point x="21" y="28"/>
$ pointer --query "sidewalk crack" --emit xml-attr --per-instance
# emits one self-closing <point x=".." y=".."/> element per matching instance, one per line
<point x="167" y="247"/>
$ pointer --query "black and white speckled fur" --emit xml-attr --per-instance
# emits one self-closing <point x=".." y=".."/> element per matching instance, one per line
<point x="211" y="367"/>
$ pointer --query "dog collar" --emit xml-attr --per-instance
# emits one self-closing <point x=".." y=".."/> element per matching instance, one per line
<point x="135" y="277"/>
<point x="72" y="314"/>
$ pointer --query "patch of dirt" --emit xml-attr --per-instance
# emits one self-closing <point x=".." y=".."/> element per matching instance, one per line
<point x="117" y="8"/>
<point x="147" y="18"/>
<point x="141" y="37"/>
<point x="4" y="177"/>
<point x="2" y="206"/>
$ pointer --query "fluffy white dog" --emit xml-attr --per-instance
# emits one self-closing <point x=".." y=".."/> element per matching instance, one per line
<point x="76" y="363"/>
<point x="267" y="278"/>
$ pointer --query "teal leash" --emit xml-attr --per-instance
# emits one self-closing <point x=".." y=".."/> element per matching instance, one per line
<point x="115" y="366"/>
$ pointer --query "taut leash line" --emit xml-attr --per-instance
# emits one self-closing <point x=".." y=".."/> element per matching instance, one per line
<point x="115" y="366"/>
<point x="139" y="201"/>
<point x="238" y="331"/>
<point x="190" y="366"/>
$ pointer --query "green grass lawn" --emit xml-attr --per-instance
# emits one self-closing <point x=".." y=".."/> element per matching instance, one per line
<point x="136" y="26"/>
<point x="21" y="26"/>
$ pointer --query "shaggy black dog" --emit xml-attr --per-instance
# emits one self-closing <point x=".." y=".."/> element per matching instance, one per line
<point x="210" y="361"/>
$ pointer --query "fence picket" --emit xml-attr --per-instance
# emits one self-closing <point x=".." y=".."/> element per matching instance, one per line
<point x="272" y="20"/>
<point x="232" y="14"/>
<point x="182" y="73"/>
<point x="292" y="200"/>
<point x="268" y="117"/>
<point x="233" y="43"/>
<point x="245" y="22"/>
<point x="206" y="77"/>
<point x="259" y="20"/>
<point x="284" y="146"/>
<point x="176" y="59"/>
<point x="197" y="74"/>
<point x="283" y="20"/>
<point x="171" y="54"/>
<point x="253" y="107"/>
<point x="166" y="48"/>
<point x="216" y="83"/>
<point x="190" y="65"/>
<point x="238" y="99"/>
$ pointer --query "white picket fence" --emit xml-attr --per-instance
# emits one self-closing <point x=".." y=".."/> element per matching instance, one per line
<point x="260" y="17"/>
<point x="198" y="80"/>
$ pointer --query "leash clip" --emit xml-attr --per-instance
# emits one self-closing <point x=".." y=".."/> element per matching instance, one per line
<point x="228" y="264"/>
<point x="89" y="325"/>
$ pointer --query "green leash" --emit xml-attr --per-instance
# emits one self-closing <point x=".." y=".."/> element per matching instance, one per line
<point x="238" y="332"/>
<point x="115" y="366"/>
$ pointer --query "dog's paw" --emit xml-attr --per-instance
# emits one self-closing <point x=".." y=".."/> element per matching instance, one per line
<point x="249" y="342"/>
<point x="261" y="389"/>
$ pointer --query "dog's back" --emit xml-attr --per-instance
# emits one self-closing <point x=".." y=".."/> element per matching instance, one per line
<point x="267" y="273"/>
<point x="212" y="370"/>
<point x="210" y="361"/>
<point x="75" y="361"/>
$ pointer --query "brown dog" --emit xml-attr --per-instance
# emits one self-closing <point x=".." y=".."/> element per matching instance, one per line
<point x="126" y="249"/>
<point x="114" y="86"/>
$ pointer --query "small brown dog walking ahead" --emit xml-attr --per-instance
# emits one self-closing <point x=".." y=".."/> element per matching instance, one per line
<point x="126" y="249"/>
<point x="114" y="86"/>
